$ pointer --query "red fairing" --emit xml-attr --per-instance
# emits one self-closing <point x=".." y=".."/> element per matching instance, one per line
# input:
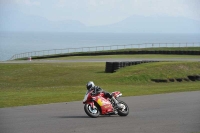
<point x="104" y="103"/>
<point x="99" y="104"/>
<point x="116" y="94"/>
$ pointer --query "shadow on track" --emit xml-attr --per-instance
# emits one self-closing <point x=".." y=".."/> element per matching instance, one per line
<point x="72" y="117"/>
<point x="101" y="116"/>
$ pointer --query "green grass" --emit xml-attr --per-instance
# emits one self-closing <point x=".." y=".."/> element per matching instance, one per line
<point x="41" y="83"/>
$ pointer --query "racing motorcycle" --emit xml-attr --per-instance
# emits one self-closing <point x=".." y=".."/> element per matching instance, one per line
<point x="96" y="105"/>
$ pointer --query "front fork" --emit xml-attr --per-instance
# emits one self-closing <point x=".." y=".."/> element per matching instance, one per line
<point x="91" y="103"/>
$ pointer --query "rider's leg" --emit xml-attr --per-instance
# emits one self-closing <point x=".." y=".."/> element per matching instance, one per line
<point x="113" y="98"/>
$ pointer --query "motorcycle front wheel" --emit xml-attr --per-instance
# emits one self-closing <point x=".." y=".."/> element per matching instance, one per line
<point x="92" y="112"/>
<point x="123" y="111"/>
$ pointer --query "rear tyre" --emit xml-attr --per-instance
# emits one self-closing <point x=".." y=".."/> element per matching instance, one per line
<point x="123" y="111"/>
<point x="91" y="112"/>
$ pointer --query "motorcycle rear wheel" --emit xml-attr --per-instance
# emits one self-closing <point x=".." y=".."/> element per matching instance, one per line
<point x="94" y="113"/>
<point x="124" y="111"/>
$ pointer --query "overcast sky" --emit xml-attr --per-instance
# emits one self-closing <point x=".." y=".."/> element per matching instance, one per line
<point x="102" y="12"/>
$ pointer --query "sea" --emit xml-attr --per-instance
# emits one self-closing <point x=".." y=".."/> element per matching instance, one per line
<point x="12" y="43"/>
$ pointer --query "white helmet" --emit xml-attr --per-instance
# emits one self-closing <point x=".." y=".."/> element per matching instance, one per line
<point x="89" y="85"/>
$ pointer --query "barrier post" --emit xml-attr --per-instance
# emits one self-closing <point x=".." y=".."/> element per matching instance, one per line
<point x="29" y="58"/>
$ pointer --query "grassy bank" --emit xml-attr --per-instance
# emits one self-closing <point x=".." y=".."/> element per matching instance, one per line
<point x="40" y="83"/>
<point x="129" y="51"/>
<point x="139" y="57"/>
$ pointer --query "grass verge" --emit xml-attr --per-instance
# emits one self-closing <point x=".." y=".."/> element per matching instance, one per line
<point x="138" y="56"/>
<point x="40" y="83"/>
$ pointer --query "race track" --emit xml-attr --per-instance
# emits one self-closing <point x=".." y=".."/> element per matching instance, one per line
<point x="103" y="60"/>
<point x="161" y="113"/>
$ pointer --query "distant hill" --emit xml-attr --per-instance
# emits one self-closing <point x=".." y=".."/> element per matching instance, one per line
<point x="22" y="22"/>
<point x="133" y="24"/>
<point x="159" y="24"/>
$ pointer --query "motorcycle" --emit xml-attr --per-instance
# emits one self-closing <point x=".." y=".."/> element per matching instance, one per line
<point x="96" y="105"/>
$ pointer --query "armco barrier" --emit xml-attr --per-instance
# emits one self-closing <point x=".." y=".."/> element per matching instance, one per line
<point x="113" y="66"/>
<point x="108" y="50"/>
<point x="110" y="53"/>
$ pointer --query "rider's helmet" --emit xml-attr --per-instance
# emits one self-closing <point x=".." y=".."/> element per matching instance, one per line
<point x="89" y="85"/>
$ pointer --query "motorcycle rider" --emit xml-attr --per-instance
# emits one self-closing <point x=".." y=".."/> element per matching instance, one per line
<point x="91" y="86"/>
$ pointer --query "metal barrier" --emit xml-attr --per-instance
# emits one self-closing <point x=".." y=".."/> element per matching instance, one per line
<point x="102" y="48"/>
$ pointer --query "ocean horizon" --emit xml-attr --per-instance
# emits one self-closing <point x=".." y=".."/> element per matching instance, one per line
<point x="12" y="43"/>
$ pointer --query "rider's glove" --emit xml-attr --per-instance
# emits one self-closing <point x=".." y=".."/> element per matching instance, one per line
<point x="93" y="94"/>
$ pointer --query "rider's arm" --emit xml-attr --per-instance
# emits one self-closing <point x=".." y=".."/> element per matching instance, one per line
<point x="98" y="89"/>
<point x="94" y="90"/>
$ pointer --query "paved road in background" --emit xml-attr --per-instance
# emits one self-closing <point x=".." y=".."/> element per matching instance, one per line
<point x="103" y="60"/>
<point x="161" y="113"/>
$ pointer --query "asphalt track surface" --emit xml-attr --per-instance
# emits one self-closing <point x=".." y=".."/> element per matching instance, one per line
<point x="160" y="113"/>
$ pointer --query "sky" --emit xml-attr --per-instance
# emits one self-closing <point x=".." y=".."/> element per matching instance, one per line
<point x="102" y="12"/>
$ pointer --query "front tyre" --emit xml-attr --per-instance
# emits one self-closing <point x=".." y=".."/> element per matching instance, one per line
<point x="92" y="112"/>
<point x="124" y="111"/>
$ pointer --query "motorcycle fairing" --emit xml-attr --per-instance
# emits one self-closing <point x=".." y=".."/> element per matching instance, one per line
<point x="116" y="94"/>
<point x="106" y="106"/>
